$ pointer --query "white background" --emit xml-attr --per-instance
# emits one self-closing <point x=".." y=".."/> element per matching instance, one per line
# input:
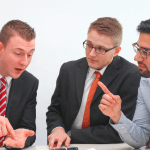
<point x="61" y="27"/>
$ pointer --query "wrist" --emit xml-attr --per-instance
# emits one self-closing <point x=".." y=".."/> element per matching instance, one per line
<point x="116" y="117"/>
<point x="69" y="133"/>
<point x="58" y="128"/>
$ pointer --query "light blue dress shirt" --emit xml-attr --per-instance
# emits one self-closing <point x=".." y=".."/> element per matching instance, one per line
<point x="137" y="132"/>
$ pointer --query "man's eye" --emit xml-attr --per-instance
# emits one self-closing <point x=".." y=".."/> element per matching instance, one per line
<point x="29" y="55"/>
<point x="100" y="49"/>
<point x="17" y="53"/>
<point x="89" y="45"/>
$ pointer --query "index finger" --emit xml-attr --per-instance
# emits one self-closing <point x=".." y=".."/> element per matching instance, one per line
<point x="29" y="132"/>
<point x="51" y="143"/>
<point x="11" y="130"/>
<point x="105" y="89"/>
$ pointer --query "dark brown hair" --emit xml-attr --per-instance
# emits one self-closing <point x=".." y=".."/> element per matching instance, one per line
<point x="16" y="27"/>
<point x="144" y="26"/>
<point x="108" y="26"/>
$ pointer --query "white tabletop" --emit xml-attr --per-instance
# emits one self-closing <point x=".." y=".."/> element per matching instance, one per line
<point x="122" y="146"/>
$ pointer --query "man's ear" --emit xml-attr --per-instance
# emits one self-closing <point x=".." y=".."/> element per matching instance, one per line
<point x="1" y="47"/>
<point x="117" y="50"/>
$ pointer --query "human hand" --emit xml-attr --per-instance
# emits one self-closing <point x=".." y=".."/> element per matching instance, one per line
<point x="6" y="128"/>
<point x="148" y="144"/>
<point x="110" y="104"/>
<point x="22" y="135"/>
<point x="57" y="137"/>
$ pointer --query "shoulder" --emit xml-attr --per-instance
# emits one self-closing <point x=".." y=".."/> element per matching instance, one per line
<point x="125" y="65"/>
<point x="145" y="83"/>
<point x="143" y="91"/>
<point x="75" y="63"/>
<point x="28" y="77"/>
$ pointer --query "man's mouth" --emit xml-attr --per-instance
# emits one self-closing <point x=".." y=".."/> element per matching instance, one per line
<point x="141" y="65"/>
<point x="18" y="70"/>
<point x="92" y="60"/>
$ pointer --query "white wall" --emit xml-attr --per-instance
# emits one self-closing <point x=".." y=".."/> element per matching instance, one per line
<point x="61" y="27"/>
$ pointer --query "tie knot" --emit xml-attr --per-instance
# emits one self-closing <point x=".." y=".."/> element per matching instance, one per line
<point x="98" y="75"/>
<point x="3" y="81"/>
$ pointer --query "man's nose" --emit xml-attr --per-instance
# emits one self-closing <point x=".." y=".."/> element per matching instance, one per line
<point x="24" y="61"/>
<point x="138" y="57"/>
<point x="93" y="52"/>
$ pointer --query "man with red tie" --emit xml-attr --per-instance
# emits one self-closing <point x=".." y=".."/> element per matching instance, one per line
<point x="18" y="88"/>
<point x="73" y="115"/>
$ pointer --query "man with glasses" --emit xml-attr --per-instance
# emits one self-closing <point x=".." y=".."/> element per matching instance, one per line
<point x="73" y="115"/>
<point x="137" y="132"/>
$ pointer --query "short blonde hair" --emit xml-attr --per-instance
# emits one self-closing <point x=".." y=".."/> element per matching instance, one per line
<point x="108" y="26"/>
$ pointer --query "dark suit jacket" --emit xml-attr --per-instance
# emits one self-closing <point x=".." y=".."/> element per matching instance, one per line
<point x="21" y="107"/>
<point x="121" y="77"/>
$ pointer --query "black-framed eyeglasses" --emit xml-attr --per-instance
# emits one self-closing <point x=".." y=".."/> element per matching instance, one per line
<point x="89" y="46"/>
<point x="144" y="53"/>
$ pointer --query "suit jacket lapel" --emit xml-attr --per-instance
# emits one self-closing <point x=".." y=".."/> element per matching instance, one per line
<point x="14" y="98"/>
<point x="80" y="79"/>
<point x="109" y="74"/>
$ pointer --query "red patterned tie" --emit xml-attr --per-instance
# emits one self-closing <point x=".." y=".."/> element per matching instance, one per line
<point x="86" y="117"/>
<point x="2" y="103"/>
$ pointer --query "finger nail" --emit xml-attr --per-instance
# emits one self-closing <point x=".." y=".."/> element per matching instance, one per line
<point x="115" y="97"/>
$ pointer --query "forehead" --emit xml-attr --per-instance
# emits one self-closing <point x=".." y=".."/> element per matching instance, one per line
<point x="144" y="40"/>
<point x="99" y="39"/>
<point x="17" y="41"/>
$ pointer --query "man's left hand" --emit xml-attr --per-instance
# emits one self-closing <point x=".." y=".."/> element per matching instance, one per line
<point x="21" y="135"/>
<point x="148" y="144"/>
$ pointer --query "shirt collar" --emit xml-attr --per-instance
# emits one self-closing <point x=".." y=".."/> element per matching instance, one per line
<point x="91" y="71"/>
<point x="8" y="79"/>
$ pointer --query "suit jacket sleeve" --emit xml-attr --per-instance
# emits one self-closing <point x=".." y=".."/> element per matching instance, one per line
<point x="29" y="115"/>
<point x="54" y="114"/>
<point x="106" y="133"/>
<point x="22" y="114"/>
<point x="21" y="108"/>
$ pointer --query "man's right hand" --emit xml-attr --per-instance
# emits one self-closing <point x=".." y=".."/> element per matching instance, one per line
<point x="22" y="135"/>
<point x="58" y="137"/>
<point x="6" y="128"/>
<point x="110" y="104"/>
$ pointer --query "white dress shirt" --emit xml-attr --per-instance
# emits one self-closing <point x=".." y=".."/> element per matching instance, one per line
<point x="88" y="82"/>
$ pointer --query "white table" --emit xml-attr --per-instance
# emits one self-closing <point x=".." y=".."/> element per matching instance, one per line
<point x="122" y="146"/>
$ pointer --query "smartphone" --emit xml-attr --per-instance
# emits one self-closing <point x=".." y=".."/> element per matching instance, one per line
<point x="66" y="148"/>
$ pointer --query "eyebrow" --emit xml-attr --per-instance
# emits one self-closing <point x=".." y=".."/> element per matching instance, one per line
<point x="98" y="45"/>
<point x="145" y="48"/>
<point x="23" y="50"/>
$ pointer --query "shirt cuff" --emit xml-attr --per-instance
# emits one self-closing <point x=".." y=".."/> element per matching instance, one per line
<point x="120" y="125"/>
